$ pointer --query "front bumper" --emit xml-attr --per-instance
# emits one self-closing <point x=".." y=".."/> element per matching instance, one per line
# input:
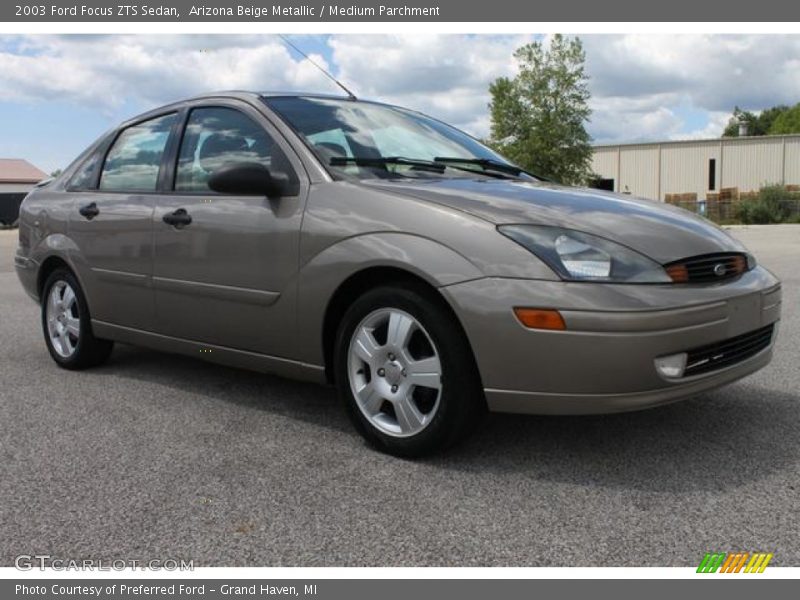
<point x="604" y="361"/>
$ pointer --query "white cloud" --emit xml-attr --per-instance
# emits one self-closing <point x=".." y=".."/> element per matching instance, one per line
<point x="716" y="124"/>
<point x="650" y="74"/>
<point x="446" y="76"/>
<point x="615" y="120"/>
<point x="643" y="86"/>
<point x="637" y="81"/>
<point x="106" y="71"/>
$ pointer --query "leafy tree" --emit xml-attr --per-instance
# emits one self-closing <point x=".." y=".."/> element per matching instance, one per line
<point x="56" y="173"/>
<point x="787" y="122"/>
<point x="759" y="124"/>
<point x="768" y="116"/>
<point x="538" y="117"/>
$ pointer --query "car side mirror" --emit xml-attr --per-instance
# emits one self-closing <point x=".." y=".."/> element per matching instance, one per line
<point x="248" y="179"/>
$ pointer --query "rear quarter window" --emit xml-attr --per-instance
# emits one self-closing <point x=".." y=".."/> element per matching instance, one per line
<point x="84" y="177"/>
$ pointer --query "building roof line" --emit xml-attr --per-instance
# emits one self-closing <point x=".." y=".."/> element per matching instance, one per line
<point x="700" y="141"/>
<point x="19" y="170"/>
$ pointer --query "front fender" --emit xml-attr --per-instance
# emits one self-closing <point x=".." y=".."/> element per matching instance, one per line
<point x="321" y="276"/>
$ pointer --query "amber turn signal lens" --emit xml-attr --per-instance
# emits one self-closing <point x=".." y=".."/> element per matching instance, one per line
<point x="678" y="273"/>
<point x="739" y="265"/>
<point x="540" y="318"/>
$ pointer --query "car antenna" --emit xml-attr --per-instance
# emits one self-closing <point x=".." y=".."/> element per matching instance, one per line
<point x="286" y="41"/>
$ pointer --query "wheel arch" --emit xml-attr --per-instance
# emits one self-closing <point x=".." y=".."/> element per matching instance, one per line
<point x="351" y="265"/>
<point x="51" y="252"/>
<point x="361" y="282"/>
<point x="48" y="265"/>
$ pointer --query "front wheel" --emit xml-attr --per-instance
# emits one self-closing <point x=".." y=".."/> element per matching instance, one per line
<point x="67" y="325"/>
<point x="406" y="373"/>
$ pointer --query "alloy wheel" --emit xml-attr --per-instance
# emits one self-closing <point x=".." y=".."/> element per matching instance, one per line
<point x="63" y="319"/>
<point x="395" y="372"/>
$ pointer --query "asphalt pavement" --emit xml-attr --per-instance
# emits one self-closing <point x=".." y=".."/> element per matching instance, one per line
<point x="155" y="456"/>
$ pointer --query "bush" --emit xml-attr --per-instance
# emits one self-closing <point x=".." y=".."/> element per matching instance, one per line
<point x="793" y="219"/>
<point x="772" y="205"/>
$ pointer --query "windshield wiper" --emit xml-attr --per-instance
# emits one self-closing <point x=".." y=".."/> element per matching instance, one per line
<point x="365" y="161"/>
<point x="487" y="164"/>
<point x="490" y="167"/>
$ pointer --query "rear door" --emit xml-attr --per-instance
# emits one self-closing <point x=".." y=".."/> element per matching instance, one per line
<point x="224" y="269"/>
<point x="112" y="222"/>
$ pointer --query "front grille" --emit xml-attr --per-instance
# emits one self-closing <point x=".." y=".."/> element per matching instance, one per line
<point x="727" y="352"/>
<point x="709" y="267"/>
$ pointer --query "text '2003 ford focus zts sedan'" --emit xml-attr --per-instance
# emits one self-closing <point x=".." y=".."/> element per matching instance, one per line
<point x="338" y="240"/>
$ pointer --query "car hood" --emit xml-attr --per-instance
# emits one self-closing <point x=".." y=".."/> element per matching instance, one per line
<point x="663" y="232"/>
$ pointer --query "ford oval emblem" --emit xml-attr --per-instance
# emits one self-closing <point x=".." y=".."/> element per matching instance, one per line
<point x="719" y="270"/>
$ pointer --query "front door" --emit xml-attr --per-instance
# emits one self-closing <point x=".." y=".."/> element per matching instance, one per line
<point x="225" y="266"/>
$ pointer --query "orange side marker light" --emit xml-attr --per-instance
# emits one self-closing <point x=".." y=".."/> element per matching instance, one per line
<point x="540" y="318"/>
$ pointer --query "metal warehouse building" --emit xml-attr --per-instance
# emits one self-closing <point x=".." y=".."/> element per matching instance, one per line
<point x="698" y="167"/>
<point x="17" y="178"/>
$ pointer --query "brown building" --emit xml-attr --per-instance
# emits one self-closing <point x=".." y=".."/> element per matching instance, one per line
<point x="17" y="178"/>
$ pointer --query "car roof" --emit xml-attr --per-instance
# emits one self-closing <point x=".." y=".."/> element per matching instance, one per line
<point x="272" y="94"/>
<point x="242" y="95"/>
<point x="305" y="95"/>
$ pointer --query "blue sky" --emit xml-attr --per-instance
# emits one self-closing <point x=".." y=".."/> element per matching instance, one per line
<point x="58" y="93"/>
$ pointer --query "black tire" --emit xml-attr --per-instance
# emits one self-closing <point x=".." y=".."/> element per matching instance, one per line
<point x="461" y="402"/>
<point x="89" y="351"/>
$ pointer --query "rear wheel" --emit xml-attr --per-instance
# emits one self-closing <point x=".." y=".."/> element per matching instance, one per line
<point x="67" y="325"/>
<point x="405" y="372"/>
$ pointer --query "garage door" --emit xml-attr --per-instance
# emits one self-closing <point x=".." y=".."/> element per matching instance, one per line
<point x="9" y="207"/>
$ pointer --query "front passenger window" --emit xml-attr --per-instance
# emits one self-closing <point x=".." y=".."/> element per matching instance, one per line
<point x="218" y="136"/>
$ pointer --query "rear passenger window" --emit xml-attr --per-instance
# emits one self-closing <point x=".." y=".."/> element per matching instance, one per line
<point x="134" y="160"/>
<point x="218" y="136"/>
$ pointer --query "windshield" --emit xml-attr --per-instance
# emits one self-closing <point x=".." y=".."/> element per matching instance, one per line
<point x="367" y="140"/>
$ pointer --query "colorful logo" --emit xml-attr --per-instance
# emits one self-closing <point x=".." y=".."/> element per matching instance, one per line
<point x="734" y="562"/>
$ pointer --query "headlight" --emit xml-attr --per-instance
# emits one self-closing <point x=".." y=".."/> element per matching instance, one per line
<point x="579" y="256"/>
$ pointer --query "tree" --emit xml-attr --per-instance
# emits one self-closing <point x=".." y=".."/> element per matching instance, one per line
<point x="768" y="116"/>
<point x="538" y="117"/>
<point x="56" y="173"/>
<point x="759" y="124"/>
<point x="787" y="122"/>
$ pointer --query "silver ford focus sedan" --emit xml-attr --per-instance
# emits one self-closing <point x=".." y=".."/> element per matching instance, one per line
<point x="372" y="247"/>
